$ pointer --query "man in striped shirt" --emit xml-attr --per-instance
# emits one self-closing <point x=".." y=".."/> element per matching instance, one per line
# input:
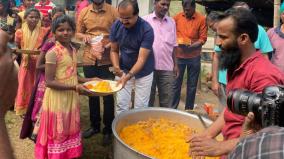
<point x="44" y="6"/>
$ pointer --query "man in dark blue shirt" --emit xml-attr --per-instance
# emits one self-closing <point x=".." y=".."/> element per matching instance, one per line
<point x="133" y="38"/>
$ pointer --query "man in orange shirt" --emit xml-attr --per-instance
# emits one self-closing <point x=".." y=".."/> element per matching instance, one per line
<point x="191" y="35"/>
<point x="94" y="21"/>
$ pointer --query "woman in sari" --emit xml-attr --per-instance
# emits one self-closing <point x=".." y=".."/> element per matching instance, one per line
<point x="29" y="37"/>
<point x="59" y="129"/>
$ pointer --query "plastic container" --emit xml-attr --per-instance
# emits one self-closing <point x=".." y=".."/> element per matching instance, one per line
<point x="97" y="46"/>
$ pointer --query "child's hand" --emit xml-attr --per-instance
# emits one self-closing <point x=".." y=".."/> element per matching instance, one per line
<point x="92" y="79"/>
<point x="96" y="79"/>
<point x="82" y="90"/>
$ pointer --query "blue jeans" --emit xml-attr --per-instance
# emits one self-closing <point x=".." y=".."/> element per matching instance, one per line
<point x="193" y="69"/>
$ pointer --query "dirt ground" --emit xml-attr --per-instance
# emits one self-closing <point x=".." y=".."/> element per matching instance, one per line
<point x="24" y="149"/>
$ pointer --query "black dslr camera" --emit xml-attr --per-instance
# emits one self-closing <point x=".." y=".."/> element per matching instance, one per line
<point x="268" y="107"/>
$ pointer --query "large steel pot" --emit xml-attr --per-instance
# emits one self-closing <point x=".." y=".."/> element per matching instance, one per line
<point x="123" y="151"/>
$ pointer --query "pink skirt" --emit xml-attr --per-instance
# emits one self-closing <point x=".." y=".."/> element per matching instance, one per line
<point x="59" y="135"/>
<point x="26" y="77"/>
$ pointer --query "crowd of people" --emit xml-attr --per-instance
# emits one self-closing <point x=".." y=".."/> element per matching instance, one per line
<point x="143" y="54"/>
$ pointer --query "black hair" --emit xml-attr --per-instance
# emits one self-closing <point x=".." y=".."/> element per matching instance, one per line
<point x="94" y="1"/>
<point x="62" y="19"/>
<point x="245" y="22"/>
<point x="214" y="16"/>
<point x="6" y="5"/>
<point x="240" y="4"/>
<point x="186" y="2"/>
<point x="28" y="11"/>
<point x="133" y="3"/>
<point x="56" y="10"/>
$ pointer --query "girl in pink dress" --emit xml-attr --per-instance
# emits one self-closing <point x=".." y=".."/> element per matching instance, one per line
<point x="59" y="128"/>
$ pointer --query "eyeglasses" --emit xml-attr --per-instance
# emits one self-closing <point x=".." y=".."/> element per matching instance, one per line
<point x="127" y="18"/>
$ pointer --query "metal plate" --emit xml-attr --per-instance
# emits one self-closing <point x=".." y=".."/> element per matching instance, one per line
<point x="113" y="85"/>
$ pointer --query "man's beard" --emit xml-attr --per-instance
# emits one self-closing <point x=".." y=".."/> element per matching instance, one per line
<point x="230" y="59"/>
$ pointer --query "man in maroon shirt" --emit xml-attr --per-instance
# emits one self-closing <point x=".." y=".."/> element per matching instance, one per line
<point x="247" y="69"/>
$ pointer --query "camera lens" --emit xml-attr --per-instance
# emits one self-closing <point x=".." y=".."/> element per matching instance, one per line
<point x="242" y="101"/>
